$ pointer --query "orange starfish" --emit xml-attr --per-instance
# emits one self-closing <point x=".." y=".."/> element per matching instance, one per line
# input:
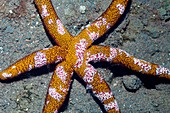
<point x="74" y="54"/>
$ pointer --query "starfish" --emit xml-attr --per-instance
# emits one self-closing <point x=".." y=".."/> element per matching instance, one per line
<point x="74" y="54"/>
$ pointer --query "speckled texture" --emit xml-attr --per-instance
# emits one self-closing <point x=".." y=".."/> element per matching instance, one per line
<point x="144" y="33"/>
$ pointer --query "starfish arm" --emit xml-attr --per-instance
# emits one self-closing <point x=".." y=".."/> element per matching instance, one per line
<point x="102" y="24"/>
<point x="34" y="60"/>
<point x="52" y="22"/>
<point x="58" y="88"/>
<point x="115" y="55"/>
<point x="99" y="87"/>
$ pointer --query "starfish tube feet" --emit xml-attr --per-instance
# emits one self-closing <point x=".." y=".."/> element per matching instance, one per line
<point x="115" y="55"/>
<point x="34" y="60"/>
<point x="58" y="88"/>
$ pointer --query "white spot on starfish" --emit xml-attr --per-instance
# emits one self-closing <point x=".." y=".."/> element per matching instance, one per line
<point x="89" y="86"/>
<point x="6" y="75"/>
<point x="93" y="35"/>
<point x="52" y="92"/>
<point x="113" y="54"/>
<point x="50" y="21"/>
<point x="108" y="26"/>
<point x="90" y="71"/>
<point x="59" y="58"/>
<point x="19" y="72"/>
<point x="29" y="67"/>
<point x="161" y="70"/>
<point x="121" y="8"/>
<point x="13" y="67"/>
<point x="102" y="96"/>
<point x="142" y="64"/>
<point x="61" y="73"/>
<point x="80" y="49"/>
<point x="101" y="21"/>
<point x="56" y="111"/>
<point x="95" y="57"/>
<point x="44" y="11"/>
<point x="60" y="27"/>
<point x="112" y="105"/>
<point x="47" y="102"/>
<point x="63" y="89"/>
<point x="40" y="59"/>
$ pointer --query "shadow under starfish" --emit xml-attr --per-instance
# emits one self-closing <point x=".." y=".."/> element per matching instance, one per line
<point x="74" y="54"/>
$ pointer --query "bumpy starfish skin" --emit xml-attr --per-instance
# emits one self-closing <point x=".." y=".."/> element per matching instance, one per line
<point x="115" y="55"/>
<point x="34" y="60"/>
<point x="74" y="54"/>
